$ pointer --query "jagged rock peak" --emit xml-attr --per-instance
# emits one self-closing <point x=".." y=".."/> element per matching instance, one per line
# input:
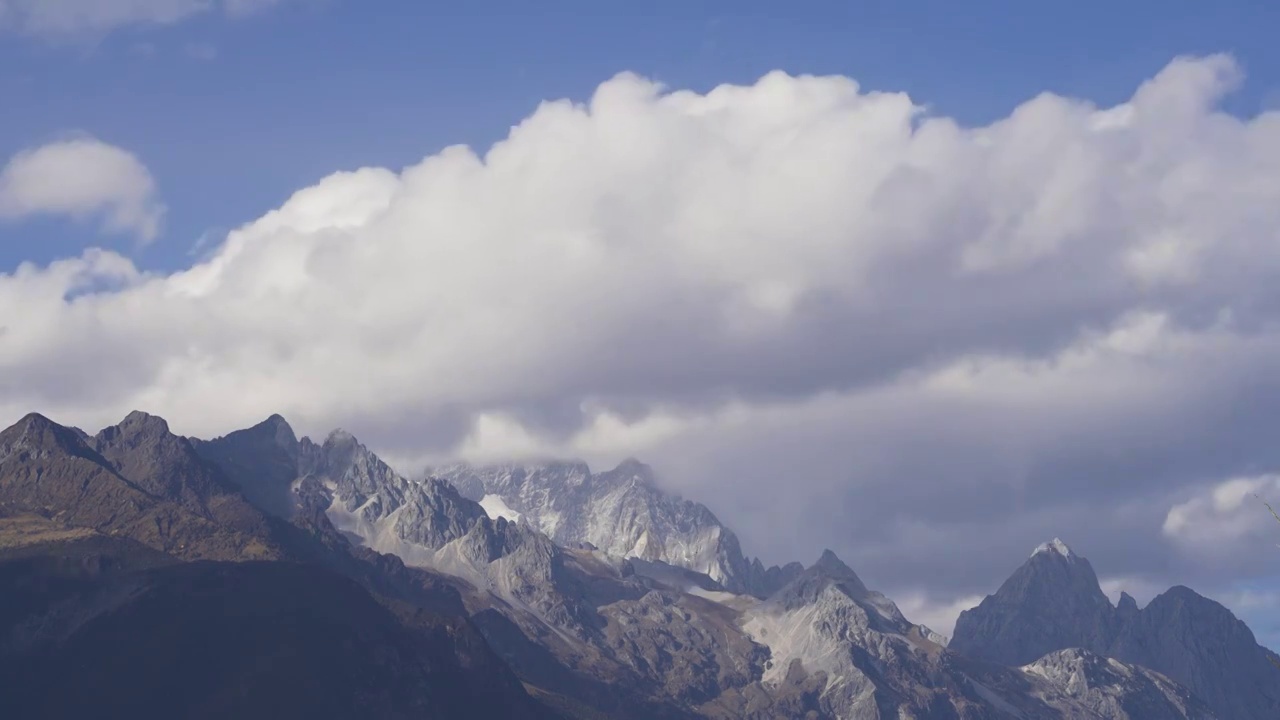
<point x="1055" y="547"/>
<point x="136" y="429"/>
<point x="36" y="430"/>
<point x="139" y="421"/>
<point x="279" y="427"/>
<point x="282" y="431"/>
<point x="828" y="571"/>
<point x="1127" y="603"/>
<point x="831" y="565"/>
<point x="31" y="423"/>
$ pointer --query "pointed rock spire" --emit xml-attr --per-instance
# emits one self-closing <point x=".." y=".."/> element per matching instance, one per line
<point x="278" y="429"/>
<point x="830" y="564"/>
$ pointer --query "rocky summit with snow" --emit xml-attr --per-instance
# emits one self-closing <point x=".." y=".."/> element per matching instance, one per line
<point x="622" y="512"/>
<point x="544" y="590"/>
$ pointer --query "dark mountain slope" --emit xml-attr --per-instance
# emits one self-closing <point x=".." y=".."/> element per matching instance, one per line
<point x="104" y="627"/>
<point x="1199" y="643"/>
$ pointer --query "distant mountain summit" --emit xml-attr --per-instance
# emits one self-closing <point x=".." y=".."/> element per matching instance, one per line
<point x="1053" y="602"/>
<point x="624" y="513"/>
<point x="1055" y="547"/>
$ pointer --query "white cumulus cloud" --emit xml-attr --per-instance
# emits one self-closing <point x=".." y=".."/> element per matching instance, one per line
<point x="811" y="305"/>
<point x="83" y="178"/>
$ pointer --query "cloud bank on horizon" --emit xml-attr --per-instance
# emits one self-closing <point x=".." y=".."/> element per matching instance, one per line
<point x="837" y="318"/>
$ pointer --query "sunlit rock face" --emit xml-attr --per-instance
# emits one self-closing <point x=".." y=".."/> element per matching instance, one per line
<point x="624" y="513"/>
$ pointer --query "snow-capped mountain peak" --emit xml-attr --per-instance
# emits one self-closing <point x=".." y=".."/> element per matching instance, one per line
<point x="1055" y="547"/>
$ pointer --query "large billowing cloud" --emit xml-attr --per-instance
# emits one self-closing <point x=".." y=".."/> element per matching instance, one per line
<point x="73" y="17"/>
<point x="82" y="177"/>
<point x="837" y="318"/>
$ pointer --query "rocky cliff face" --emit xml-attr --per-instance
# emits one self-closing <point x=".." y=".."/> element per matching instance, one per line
<point x="1110" y="688"/>
<point x="622" y="512"/>
<point x="385" y="511"/>
<point x="1053" y="602"/>
<point x="359" y="494"/>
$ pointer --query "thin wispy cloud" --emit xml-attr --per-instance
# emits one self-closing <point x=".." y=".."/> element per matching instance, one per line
<point x="70" y="18"/>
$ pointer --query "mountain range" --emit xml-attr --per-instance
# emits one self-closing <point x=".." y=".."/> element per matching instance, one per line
<point x="262" y="574"/>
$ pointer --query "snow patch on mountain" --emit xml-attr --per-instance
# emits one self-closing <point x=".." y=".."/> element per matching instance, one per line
<point x="495" y="507"/>
<point x="1055" y="546"/>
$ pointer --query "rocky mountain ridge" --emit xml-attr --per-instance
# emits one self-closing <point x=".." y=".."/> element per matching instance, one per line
<point x="632" y="629"/>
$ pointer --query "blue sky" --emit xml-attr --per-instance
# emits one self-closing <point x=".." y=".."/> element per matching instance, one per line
<point x="1035" y="361"/>
<point x="232" y="115"/>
